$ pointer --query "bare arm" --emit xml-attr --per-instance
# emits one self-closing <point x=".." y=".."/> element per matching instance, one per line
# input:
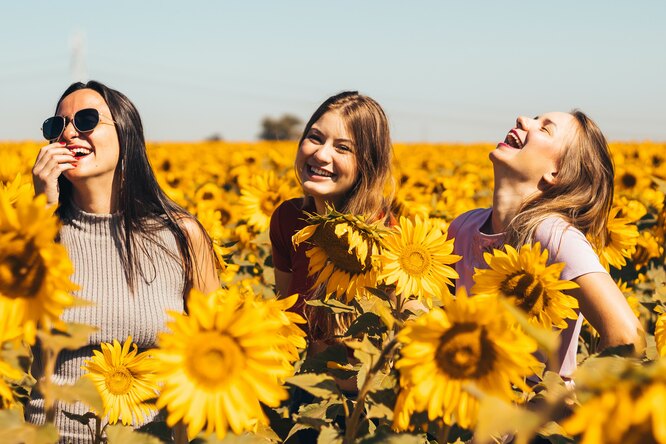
<point x="607" y="310"/>
<point x="205" y="275"/>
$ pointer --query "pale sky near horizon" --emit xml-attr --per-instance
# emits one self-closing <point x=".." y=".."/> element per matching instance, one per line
<point x="450" y="71"/>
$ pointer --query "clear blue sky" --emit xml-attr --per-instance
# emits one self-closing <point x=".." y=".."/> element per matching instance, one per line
<point x="443" y="70"/>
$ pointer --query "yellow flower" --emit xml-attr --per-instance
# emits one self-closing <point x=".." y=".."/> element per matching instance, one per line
<point x="125" y="380"/>
<point x="10" y="331"/>
<point x="647" y="249"/>
<point x="472" y="342"/>
<point x="260" y="196"/>
<point x="531" y="284"/>
<point x="623" y="236"/>
<point x="34" y="269"/>
<point x="417" y="258"/>
<point x="344" y="253"/>
<point x="220" y="363"/>
<point x="15" y="188"/>
<point x="621" y="403"/>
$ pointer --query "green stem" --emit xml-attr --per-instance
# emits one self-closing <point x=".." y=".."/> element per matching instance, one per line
<point x="98" y="430"/>
<point x="443" y="434"/>
<point x="353" y="422"/>
<point x="49" y="359"/>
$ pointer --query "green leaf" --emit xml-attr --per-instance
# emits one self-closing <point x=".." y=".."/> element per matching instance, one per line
<point x="390" y="438"/>
<point x="368" y="323"/>
<point x="230" y="438"/>
<point x="120" y="434"/>
<point x="552" y="388"/>
<point x="548" y="340"/>
<point x="367" y="354"/>
<point x="329" y="435"/>
<point x="379" y="293"/>
<point x="498" y="418"/>
<point x="318" y="363"/>
<point x="74" y="337"/>
<point x="320" y="385"/>
<point x="380" y="404"/>
<point x="83" y="390"/>
<point x="332" y="304"/>
<point x="14" y="430"/>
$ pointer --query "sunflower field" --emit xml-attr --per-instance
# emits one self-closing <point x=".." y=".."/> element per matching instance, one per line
<point x="410" y="362"/>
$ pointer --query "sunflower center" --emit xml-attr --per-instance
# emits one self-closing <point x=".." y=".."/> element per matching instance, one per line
<point x="337" y="250"/>
<point x="415" y="260"/>
<point x="214" y="358"/>
<point x="268" y="203"/>
<point x="629" y="180"/>
<point x="22" y="270"/>
<point x="119" y="381"/>
<point x="465" y="352"/>
<point x="529" y="292"/>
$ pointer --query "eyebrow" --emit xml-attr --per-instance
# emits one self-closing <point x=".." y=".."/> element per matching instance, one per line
<point x="313" y="128"/>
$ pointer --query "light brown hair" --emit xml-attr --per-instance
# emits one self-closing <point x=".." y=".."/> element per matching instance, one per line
<point x="582" y="193"/>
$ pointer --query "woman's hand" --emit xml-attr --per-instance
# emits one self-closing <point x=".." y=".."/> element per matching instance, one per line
<point x="51" y="161"/>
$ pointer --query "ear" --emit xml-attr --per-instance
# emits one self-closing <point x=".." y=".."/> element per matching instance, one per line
<point x="550" y="178"/>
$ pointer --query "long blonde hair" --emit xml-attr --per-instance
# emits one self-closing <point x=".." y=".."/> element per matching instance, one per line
<point x="582" y="193"/>
<point x="368" y="127"/>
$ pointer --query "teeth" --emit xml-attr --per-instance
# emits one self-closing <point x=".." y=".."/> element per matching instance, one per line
<point x="81" y="150"/>
<point x="514" y="141"/>
<point x="320" y="172"/>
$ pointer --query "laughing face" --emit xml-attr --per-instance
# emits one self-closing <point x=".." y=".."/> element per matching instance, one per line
<point x="96" y="151"/>
<point x="532" y="150"/>
<point x="325" y="162"/>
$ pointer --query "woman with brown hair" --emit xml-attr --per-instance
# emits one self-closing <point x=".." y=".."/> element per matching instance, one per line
<point x="344" y="160"/>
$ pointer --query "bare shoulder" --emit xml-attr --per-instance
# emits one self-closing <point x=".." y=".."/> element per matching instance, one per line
<point x="193" y="229"/>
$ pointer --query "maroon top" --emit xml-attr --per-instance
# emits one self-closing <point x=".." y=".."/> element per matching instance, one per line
<point x="286" y="221"/>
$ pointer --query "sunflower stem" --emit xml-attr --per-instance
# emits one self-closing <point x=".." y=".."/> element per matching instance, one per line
<point x="98" y="430"/>
<point x="443" y="434"/>
<point x="49" y="359"/>
<point x="354" y="421"/>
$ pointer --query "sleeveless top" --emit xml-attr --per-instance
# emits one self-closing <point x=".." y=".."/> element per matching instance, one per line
<point x="94" y="250"/>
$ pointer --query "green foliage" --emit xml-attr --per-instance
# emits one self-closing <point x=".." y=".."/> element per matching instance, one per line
<point x="285" y="127"/>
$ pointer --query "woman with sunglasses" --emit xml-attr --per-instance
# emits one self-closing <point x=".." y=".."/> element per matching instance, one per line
<point x="136" y="253"/>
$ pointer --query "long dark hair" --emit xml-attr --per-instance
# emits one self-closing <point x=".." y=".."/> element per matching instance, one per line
<point x="142" y="205"/>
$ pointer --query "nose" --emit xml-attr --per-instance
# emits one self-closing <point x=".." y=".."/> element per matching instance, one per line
<point x="69" y="132"/>
<point x="323" y="154"/>
<point x="522" y="122"/>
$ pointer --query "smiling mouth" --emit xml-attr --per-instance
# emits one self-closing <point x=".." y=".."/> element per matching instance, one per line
<point x="314" y="171"/>
<point x="513" y="140"/>
<point x="79" y="151"/>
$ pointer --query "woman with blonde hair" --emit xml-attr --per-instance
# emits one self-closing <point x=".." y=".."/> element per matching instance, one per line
<point x="553" y="179"/>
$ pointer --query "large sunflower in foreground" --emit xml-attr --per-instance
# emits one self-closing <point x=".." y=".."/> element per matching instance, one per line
<point x="10" y="332"/>
<point x="472" y="342"/>
<point x="219" y="364"/>
<point x="34" y="269"/>
<point x="530" y="283"/>
<point x="260" y="196"/>
<point x="125" y="380"/>
<point x="623" y="237"/>
<point x="242" y="293"/>
<point x="417" y="258"/>
<point x="622" y="402"/>
<point x="344" y="253"/>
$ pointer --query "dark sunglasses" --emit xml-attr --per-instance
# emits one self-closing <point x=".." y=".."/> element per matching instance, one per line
<point x="85" y="120"/>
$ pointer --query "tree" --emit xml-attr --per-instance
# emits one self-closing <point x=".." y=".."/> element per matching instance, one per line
<point x="286" y="127"/>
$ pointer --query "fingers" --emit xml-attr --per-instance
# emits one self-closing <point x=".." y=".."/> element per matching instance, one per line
<point x="51" y="161"/>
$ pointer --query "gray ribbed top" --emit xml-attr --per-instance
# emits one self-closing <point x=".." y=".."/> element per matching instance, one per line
<point x="98" y="270"/>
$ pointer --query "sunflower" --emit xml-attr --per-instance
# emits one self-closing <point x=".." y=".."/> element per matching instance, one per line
<point x="344" y="253"/>
<point x="260" y="196"/>
<point x="472" y="342"/>
<point x="124" y="379"/>
<point x="621" y="402"/>
<point x="660" y="331"/>
<point x="34" y="269"/>
<point x="416" y="257"/>
<point x="647" y="249"/>
<point x="220" y="363"/>
<point x="623" y="237"/>
<point x="15" y="188"/>
<point x="10" y="331"/>
<point x="531" y="284"/>
<point x="243" y="293"/>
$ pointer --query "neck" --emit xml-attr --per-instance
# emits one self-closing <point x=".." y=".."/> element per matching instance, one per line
<point x="95" y="197"/>
<point x="508" y="197"/>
